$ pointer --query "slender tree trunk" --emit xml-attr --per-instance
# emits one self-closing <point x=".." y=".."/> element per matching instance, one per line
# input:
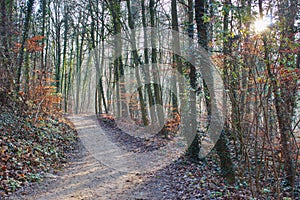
<point x="122" y="107"/>
<point x="102" y="60"/>
<point x="176" y="58"/>
<point x="222" y="144"/>
<point x="79" y="57"/>
<point x="201" y="25"/>
<point x="47" y="48"/>
<point x="24" y="38"/>
<point x="5" y="41"/>
<point x="136" y="63"/>
<point x="202" y="36"/>
<point x="57" y="45"/>
<point x="98" y="105"/>
<point x="194" y="148"/>
<point x="64" y="71"/>
<point x="70" y="75"/>
<point x="44" y="6"/>
<point x="147" y="62"/>
<point x="156" y="77"/>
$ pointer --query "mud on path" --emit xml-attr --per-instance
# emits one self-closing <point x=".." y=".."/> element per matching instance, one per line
<point x="98" y="170"/>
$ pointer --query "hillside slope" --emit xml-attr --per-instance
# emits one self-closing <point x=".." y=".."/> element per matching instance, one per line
<point x="32" y="145"/>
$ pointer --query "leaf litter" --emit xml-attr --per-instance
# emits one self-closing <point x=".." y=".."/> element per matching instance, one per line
<point x="31" y="148"/>
<point x="181" y="179"/>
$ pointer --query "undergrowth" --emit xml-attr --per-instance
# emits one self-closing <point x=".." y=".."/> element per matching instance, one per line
<point x="31" y="144"/>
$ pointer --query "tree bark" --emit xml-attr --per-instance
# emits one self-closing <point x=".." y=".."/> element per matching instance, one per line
<point x="136" y="63"/>
<point x="147" y="62"/>
<point x="222" y="144"/>
<point x="156" y="77"/>
<point x="24" y="38"/>
<point x="194" y="148"/>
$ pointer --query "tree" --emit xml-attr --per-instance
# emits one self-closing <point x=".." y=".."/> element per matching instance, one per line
<point x="154" y="61"/>
<point x="284" y="91"/>
<point x="194" y="148"/>
<point x="147" y="62"/>
<point x="115" y="9"/>
<point x="6" y="77"/>
<point x="136" y="63"/>
<point x="222" y="144"/>
<point x="24" y="38"/>
<point x="177" y="60"/>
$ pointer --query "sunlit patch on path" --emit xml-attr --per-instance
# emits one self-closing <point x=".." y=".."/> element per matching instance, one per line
<point x="100" y="169"/>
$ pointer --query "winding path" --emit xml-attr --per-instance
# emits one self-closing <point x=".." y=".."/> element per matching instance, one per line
<point x="100" y="169"/>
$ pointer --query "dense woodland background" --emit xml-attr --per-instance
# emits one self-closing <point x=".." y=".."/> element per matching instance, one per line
<point x="44" y="62"/>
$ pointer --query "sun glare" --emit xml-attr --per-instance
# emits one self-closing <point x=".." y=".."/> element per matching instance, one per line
<point x="262" y="24"/>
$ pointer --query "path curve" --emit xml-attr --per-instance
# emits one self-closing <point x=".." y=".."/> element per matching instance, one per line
<point x="91" y="175"/>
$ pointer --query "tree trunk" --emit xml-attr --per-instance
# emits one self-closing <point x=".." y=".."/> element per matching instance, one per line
<point x="176" y="59"/>
<point x="156" y="77"/>
<point x="194" y="148"/>
<point x="8" y="74"/>
<point x="136" y="63"/>
<point x="64" y="72"/>
<point x="57" y="45"/>
<point x="222" y="146"/>
<point x="24" y="38"/>
<point x="122" y="108"/>
<point x="147" y="62"/>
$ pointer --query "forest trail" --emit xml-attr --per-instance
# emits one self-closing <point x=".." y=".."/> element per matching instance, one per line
<point x="99" y="170"/>
<point x="85" y="177"/>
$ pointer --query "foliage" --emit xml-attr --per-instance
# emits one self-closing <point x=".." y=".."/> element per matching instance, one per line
<point x="42" y="65"/>
<point x="30" y="147"/>
<point x="42" y="95"/>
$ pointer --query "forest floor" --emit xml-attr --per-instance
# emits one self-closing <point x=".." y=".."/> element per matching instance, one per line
<point x="109" y="163"/>
<point x="93" y="176"/>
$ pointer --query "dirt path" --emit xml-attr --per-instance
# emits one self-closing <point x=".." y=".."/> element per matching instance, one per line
<point x="100" y="169"/>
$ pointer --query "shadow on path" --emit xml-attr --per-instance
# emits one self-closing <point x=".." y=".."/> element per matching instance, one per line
<point x="100" y="169"/>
